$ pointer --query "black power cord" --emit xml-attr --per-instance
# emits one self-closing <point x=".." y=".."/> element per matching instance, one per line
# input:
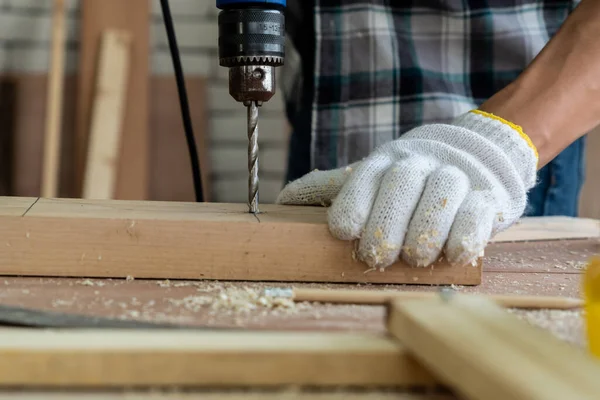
<point x="183" y="99"/>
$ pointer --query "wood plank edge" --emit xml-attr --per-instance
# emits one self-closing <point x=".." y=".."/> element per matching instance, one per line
<point x="60" y="359"/>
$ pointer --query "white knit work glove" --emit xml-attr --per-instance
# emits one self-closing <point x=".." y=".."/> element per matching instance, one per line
<point x="439" y="190"/>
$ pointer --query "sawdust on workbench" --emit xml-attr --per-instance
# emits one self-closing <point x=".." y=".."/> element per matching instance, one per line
<point x="547" y="256"/>
<point x="242" y="304"/>
<point x="208" y="303"/>
<point x="566" y="325"/>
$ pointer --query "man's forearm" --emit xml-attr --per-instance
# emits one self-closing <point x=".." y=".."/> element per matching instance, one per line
<point x="556" y="99"/>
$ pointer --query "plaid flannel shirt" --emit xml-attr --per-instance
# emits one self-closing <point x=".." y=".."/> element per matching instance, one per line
<point x="377" y="68"/>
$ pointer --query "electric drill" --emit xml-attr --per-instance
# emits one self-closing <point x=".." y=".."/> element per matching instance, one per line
<point x="252" y="45"/>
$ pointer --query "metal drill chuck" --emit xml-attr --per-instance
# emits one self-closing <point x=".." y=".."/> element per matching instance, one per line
<point x="251" y="36"/>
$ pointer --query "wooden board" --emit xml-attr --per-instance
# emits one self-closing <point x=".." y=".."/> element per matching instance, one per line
<point x="203" y="358"/>
<point x="550" y="228"/>
<point x="482" y="352"/>
<point x="134" y="16"/>
<point x="107" y="115"/>
<point x="111" y="238"/>
<point x="52" y="139"/>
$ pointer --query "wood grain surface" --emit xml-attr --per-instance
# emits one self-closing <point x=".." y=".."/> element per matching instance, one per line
<point x="108" y="113"/>
<point x="482" y="352"/>
<point x="108" y="238"/>
<point x="112" y="358"/>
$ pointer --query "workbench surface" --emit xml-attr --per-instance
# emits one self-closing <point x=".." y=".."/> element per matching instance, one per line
<point x="542" y="268"/>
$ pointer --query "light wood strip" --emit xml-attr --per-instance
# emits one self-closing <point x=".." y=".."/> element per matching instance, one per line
<point x="382" y="297"/>
<point x="107" y="115"/>
<point x="54" y="101"/>
<point x="104" y="359"/>
<point x="96" y="17"/>
<point x="482" y="352"/>
<point x="550" y="228"/>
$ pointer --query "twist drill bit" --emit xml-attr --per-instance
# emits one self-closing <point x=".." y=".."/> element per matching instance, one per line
<point x="253" y="156"/>
<point x="252" y="46"/>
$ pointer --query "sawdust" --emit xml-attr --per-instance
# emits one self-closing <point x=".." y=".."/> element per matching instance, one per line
<point x="566" y="325"/>
<point x="89" y="282"/>
<point x="164" y="284"/>
<point x="235" y="301"/>
<point x="578" y="265"/>
<point x="62" y="303"/>
<point x="168" y="284"/>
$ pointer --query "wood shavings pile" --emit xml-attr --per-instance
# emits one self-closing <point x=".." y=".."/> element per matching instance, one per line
<point x="236" y="301"/>
<point x="89" y="282"/>
<point x="566" y="325"/>
<point x="247" y="300"/>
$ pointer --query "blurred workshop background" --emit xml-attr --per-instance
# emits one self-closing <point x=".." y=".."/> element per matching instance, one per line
<point x="156" y="166"/>
<point x="152" y="161"/>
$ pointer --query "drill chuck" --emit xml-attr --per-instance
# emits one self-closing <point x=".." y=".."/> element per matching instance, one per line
<point x="251" y="36"/>
<point x="251" y="45"/>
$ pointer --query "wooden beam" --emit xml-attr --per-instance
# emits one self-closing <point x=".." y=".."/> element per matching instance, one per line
<point x="531" y="229"/>
<point x="96" y="17"/>
<point x="52" y="139"/>
<point x="483" y="352"/>
<point x="171" y="240"/>
<point x="383" y="297"/>
<point x="107" y="359"/>
<point x="107" y="116"/>
<point x="111" y="238"/>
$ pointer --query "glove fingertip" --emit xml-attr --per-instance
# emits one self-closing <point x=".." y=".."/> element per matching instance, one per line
<point x="314" y="188"/>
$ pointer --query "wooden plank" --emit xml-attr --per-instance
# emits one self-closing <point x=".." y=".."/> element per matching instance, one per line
<point x="50" y="173"/>
<point x="550" y="228"/>
<point x="15" y="206"/>
<point x="379" y="297"/>
<point x="482" y="352"/>
<point x="70" y="237"/>
<point x="97" y="16"/>
<point x="112" y="238"/>
<point x="107" y="116"/>
<point x="106" y="359"/>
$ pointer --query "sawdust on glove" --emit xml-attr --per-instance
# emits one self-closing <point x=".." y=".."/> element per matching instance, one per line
<point x="439" y="190"/>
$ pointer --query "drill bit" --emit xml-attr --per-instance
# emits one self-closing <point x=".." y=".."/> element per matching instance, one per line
<point x="253" y="156"/>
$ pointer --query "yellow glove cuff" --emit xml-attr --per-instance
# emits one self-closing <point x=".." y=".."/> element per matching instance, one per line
<point x="514" y="126"/>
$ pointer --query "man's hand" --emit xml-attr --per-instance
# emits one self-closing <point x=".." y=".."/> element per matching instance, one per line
<point x="439" y="190"/>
